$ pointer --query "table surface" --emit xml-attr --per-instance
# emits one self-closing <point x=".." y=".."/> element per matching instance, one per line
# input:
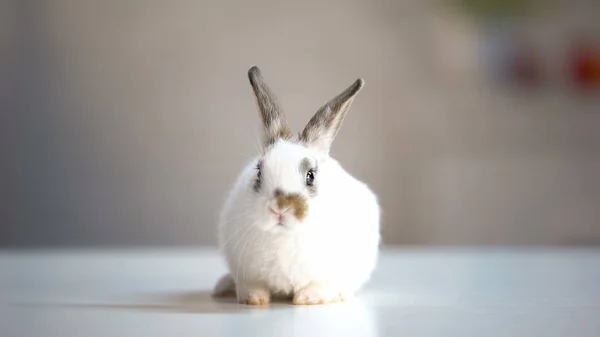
<point x="414" y="292"/>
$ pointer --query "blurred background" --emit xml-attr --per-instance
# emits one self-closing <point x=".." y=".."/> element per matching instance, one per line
<point x="126" y="122"/>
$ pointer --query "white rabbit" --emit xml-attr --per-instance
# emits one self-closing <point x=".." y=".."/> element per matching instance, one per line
<point x="296" y="223"/>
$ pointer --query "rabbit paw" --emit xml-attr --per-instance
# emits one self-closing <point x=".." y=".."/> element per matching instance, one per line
<point x="254" y="296"/>
<point x="316" y="294"/>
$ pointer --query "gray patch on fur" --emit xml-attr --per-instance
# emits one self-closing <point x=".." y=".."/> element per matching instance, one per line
<point x="273" y="119"/>
<point x="278" y="193"/>
<point x="305" y="165"/>
<point x="258" y="180"/>
<point x="326" y="122"/>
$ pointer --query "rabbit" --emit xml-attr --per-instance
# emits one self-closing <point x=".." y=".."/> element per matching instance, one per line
<point x="296" y="224"/>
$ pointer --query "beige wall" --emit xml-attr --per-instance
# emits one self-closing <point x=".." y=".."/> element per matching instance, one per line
<point x="134" y="117"/>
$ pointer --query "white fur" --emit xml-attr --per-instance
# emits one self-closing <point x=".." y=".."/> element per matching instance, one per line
<point x="327" y="256"/>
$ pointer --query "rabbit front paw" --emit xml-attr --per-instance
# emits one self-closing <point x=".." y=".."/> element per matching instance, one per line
<point x="254" y="295"/>
<point x="317" y="294"/>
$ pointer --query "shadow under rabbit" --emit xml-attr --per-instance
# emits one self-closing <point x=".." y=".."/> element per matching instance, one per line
<point x="195" y="302"/>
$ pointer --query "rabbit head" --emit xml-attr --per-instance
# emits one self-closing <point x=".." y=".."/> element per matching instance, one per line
<point x="294" y="172"/>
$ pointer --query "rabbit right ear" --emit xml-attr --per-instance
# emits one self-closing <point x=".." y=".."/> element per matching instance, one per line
<point x="322" y="128"/>
<point x="271" y="113"/>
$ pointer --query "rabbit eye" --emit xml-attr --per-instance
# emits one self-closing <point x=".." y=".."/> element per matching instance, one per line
<point x="310" y="177"/>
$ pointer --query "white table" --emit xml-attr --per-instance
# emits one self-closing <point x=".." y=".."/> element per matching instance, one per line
<point x="415" y="292"/>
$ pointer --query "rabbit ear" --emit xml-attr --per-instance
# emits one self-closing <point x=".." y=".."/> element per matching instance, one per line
<point x="271" y="113"/>
<point x="322" y="128"/>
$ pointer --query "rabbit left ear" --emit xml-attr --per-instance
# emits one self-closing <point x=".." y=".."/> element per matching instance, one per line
<point x="273" y="119"/>
<point x="322" y="128"/>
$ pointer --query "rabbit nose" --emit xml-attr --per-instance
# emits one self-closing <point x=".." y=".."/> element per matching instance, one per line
<point x="278" y="210"/>
<point x="274" y="208"/>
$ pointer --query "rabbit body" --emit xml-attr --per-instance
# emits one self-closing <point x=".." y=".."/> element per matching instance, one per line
<point x="296" y="223"/>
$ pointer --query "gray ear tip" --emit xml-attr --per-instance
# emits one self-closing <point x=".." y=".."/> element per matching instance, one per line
<point x="356" y="86"/>
<point x="253" y="73"/>
<point x="359" y="83"/>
